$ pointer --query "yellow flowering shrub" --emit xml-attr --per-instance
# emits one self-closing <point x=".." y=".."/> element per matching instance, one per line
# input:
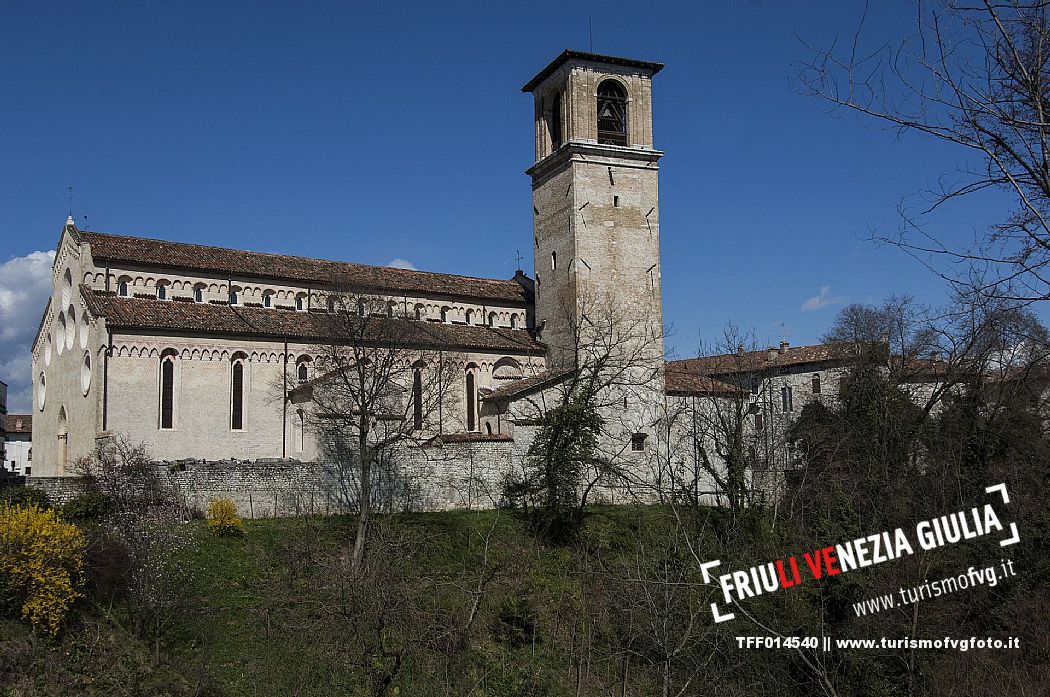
<point x="223" y="519"/>
<point x="41" y="563"/>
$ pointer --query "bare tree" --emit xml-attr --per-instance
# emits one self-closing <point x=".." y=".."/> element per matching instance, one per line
<point x="611" y="370"/>
<point x="379" y="384"/>
<point x="975" y="76"/>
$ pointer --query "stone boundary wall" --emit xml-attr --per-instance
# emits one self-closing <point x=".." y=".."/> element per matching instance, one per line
<point x="434" y="478"/>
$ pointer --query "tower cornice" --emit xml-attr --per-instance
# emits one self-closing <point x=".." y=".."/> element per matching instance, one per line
<point x="621" y="156"/>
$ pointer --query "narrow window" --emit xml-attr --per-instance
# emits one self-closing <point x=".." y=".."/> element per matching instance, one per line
<point x="302" y="430"/>
<point x="816" y="383"/>
<point x="361" y="307"/>
<point x="419" y="312"/>
<point x="444" y="314"/>
<point x="162" y="291"/>
<point x="300" y="303"/>
<point x="417" y="399"/>
<point x="470" y="317"/>
<point x="122" y="289"/>
<point x="786" y="399"/>
<point x="198" y="294"/>
<point x="237" y="401"/>
<point x="554" y="261"/>
<point x="167" y="391"/>
<point x="612" y="113"/>
<point x="555" y="122"/>
<point x="616" y="201"/>
<point x="235" y="297"/>
<point x="301" y="372"/>
<point x="268" y="299"/>
<point x="758" y="422"/>
<point x="492" y="319"/>
<point x="472" y="397"/>
<point x="513" y="321"/>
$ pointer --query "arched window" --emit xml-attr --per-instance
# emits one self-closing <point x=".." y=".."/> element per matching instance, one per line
<point x="302" y="368"/>
<point x="420" y="312"/>
<point x="41" y="392"/>
<point x="417" y="398"/>
<point x="167" y="389"/>
<point x="333" y="303"/>
<point x="300" y="302"/>
<point x="235" y="295"/>
<point x="554" y="123"/>
<point x="85" y="373"/>
<point x="492" y="319"/>
<point x="514" y="321"/>
<point x="301" y="424"/>
<point x="162" y="290"/>
<point x="472" y="398"/>
<point x="361" y="307"/>
<point x="444" y="314"/>
<point x="470" y="317"/>
<point x="391" y="308"/>
<point x="198" y="293"/>
<point x="122" y="288"/>
<point x="612" y="113"/>
<point x="268" y="298"/>
<point x="237" y="394"/>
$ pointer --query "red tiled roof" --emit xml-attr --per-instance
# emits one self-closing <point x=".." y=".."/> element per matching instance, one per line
<point x="533" y="382"/>
<point x="683" y="382"/>
<point x="757" y="361"/>
<point x="18" y="423"/>
<point x="200" y="318"/>
<point x="241" y="264"/>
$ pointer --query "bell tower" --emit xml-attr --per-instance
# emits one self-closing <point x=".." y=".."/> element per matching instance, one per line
<point x="594" y="196"/>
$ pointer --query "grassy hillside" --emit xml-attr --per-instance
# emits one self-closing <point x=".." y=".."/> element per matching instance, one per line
<point x="471" y="603"/>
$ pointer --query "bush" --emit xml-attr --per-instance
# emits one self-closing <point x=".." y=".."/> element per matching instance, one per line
<point x="41" y="564"/>
<point x="223" y="520"/>
<point x="89" y="507"/>
<point x="25" y="496"/>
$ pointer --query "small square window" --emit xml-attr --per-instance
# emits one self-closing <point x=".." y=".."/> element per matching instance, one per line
<point x="638" y="442"/>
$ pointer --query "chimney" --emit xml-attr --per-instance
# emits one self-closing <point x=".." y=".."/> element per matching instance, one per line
<point x="783" y="345"/>
<point x="771" y="354"/>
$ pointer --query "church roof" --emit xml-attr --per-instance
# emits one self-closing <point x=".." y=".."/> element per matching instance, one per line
<point x="772" y="358"/>
<point x="240" y="264"/>
<point x="540" y="380"/>
<point x="205" y="319"/>
<point x="568" y="54"/>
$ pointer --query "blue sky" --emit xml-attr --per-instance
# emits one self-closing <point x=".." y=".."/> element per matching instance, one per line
<point x="381" y="131"/>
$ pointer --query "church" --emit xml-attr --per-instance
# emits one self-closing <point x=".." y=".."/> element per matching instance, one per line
<point x="207" y="353"/>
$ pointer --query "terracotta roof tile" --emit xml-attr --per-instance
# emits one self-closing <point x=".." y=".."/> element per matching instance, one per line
<point x="757" y="361"/>
<point x="200" y="318"/>
<point x="683" y="382"/>
<point x="518" y="388"/>
<point x="240" y="263"/>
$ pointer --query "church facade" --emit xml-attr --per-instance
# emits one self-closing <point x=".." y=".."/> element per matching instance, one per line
<point x="200" y="352"/>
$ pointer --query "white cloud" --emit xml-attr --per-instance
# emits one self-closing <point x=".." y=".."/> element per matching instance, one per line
<point x="25" y="285"/>
<point x="822" y="300"/>
<point x="402" y="264"/>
